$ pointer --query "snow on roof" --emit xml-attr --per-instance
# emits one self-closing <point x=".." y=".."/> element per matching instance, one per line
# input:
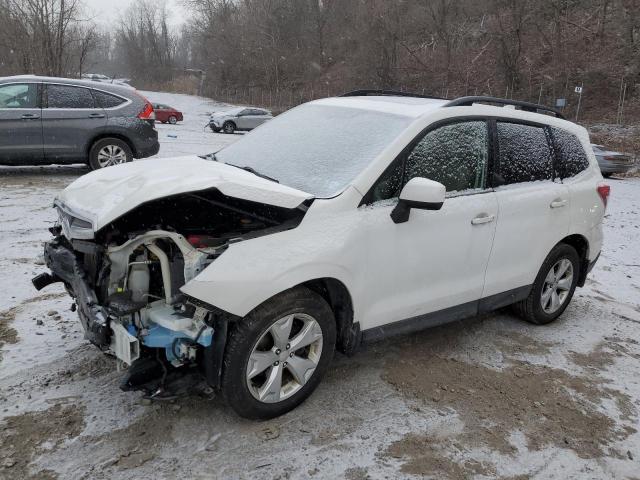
<point x="406" y="106"/>
<point x="71" y="81"/>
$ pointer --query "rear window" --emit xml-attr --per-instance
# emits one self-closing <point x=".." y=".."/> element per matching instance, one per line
<point x="571" y="157"/>
<point x="106" y="100"/>
<point x="524" y="153"/>
<point x="67" y="96"/>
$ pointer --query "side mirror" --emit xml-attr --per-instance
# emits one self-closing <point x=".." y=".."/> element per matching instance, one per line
<point x="419" y="193"/>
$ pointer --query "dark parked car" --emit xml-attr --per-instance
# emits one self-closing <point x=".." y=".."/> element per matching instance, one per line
<point x="57" y="120"/>
<point x="165" y="113"/>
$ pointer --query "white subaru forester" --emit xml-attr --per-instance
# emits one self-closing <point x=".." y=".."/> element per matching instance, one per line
<point x="340" y="221"/>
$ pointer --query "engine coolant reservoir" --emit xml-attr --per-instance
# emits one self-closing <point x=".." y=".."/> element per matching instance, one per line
<point x="138" y="281"/>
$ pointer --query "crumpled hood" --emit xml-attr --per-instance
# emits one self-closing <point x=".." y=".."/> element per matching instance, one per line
<point x="104" y="195"/>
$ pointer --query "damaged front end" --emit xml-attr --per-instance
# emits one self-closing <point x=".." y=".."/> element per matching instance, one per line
<point x="126" y="278"/>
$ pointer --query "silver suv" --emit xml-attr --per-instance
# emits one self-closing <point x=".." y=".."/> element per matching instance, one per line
<point x="240" y="118"/>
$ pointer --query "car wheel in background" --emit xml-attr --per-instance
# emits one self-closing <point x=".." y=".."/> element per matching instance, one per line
<point x="277" y="355"/>
<point x="173" y="120"/>
<point x="109" y="151"/>
<point x="229" y="127"/>
<point x="553" y="288"/>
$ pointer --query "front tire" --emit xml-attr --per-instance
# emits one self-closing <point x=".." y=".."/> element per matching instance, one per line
<point x="215" y="129"/>
<point x="553" y="288"/>
<point x="277" y="355"/>
<point x="229" y="127"/>
<point x="109" y="151"/>
<point x="173" y="120"/>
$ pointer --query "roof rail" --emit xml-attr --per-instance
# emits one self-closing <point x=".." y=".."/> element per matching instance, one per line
<point x="391" y="93"/>
<point x="526" y="106"/>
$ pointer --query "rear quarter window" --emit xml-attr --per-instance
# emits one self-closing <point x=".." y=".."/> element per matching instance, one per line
<point x="571" y="158"/>
<point x="525" y="154"/>
<point x="106" y="100"/>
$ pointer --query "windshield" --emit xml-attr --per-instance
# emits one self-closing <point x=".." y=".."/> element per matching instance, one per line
<point x="318" y="149"/>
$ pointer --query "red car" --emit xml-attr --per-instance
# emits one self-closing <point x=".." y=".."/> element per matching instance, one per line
<point x="165" y="113"/>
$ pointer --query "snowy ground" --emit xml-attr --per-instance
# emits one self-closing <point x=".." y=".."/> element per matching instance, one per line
<point x="487" y="397"/>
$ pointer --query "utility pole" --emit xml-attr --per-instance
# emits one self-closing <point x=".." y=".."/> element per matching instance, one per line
<point x="579" y="92"/>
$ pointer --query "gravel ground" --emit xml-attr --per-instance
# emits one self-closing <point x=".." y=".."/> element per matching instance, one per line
<point x="482" y="398"/>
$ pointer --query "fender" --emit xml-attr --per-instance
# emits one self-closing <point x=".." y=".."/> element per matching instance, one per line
<point x="241" y="294"/>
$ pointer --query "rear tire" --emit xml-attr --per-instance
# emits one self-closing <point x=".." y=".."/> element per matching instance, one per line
<point x="262" y="379"/>
<point x="553" y="287"/>
<point x="109" y="151"/>
<point x="229" y="127"/>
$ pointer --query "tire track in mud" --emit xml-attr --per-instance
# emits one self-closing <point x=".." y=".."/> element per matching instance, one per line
<point x="548" y="407"/>
<point x="27" y="435"/>
<point x="7" y="333"/>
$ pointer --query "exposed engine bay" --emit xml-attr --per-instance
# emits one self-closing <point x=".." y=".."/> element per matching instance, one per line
<point x="126" y="277"/>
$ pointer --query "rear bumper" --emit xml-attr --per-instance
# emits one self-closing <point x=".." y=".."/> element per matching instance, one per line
<point x="147" y="145"/>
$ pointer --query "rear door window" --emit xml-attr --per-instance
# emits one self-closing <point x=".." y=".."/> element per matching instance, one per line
<point x="525" y="154"/>
<point x="67" y="96"/>
<point x="19" y="95"/>
<point x="571" y="158"/>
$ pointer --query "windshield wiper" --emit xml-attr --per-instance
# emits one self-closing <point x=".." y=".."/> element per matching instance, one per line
<point x="254" y="171"/>
<point x="209" y="156"/>
<point x="212" y="156"/>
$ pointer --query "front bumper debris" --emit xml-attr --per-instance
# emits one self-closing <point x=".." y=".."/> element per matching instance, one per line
<point x="65" y="268"/>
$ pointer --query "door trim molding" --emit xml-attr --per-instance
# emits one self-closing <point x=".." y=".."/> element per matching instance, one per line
<point x="447" y="315"/>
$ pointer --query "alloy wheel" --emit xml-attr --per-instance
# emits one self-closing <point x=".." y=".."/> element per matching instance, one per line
<point x="111" y="155"/>
<point x="557" y="285"/>
<point x="284" y="358"/>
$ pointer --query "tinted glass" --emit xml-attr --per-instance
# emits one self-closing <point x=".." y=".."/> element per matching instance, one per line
<point x="571" y="156"/>
<point x="106" y="100"/>
<point x="525" y="154"/>
<point x="63" y="96"/>
<point x="23" y="95"/>
<point x="454" y="155"/>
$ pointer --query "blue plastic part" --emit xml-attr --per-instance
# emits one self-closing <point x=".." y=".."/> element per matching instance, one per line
<point x="132" y="329"/>
<point x="161" y="337"/>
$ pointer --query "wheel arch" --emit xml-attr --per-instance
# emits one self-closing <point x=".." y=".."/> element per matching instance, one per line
<point x="581" y="245"/>
<point x="119" y="136"/>
<point x="337" y="295"/>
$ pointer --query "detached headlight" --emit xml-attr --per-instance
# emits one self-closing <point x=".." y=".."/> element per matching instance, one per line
<point x="74" y="226"/>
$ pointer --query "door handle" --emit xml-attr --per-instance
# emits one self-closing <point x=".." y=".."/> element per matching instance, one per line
<point x="96" y="115"/>
<point x="558" y="202"/>
<point x="30" y="116"/>
<point x="483" y="218"/>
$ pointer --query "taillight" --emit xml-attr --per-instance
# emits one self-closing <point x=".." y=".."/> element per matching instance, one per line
<point x="604" y="191"/>
<point x="147" y="112"/>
